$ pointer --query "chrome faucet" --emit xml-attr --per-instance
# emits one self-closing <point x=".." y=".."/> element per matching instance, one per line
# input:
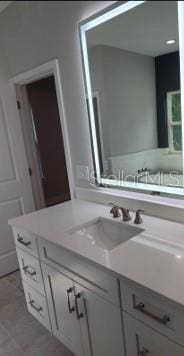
<point x="138" y="218"/>
<point x="116" y="214"/>
<point x="125" y="214"/>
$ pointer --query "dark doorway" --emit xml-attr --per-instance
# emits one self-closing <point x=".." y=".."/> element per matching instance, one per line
<point x="49" y="140"/>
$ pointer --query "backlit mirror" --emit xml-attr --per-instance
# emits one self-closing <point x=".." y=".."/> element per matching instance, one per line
<point x="133" y="95"/>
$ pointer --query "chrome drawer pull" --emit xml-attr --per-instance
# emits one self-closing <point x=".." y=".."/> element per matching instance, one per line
<point x="21" y="240"/>
<point x="70" y="308"/>
<point x="79" y="315"/>
<point x="143" y="352"/>
<point x="32" y="303"/>
<point x="141" y="307"/>
<point x="26" y="270"/>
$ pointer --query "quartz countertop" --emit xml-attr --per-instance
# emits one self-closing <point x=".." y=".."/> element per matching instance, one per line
<point x="154" y="258"/>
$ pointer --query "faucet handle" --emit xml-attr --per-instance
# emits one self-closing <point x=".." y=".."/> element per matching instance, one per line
<point x="138" y="218"/>
<point x="125" y="214"/>
<point x="115" y="211"/>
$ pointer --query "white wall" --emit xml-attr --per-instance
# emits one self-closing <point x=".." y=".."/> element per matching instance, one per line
<point x="34" y="32"/>
<point x="126" y="84"/>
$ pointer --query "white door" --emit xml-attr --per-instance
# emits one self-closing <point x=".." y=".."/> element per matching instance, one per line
<point x="144" y="341"/>
<point x="15" y="188"/>
<point x="61" y="301"/>
<point x="103" y="321"/>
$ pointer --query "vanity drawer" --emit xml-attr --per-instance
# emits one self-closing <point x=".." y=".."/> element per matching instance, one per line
<point x="144" y="341"/>
<point x="154" y="310"/>
<point x="26" y="241"/>
<point x="76" y="269"/>
<point x="31" y="270"/>
<point x="37" y="305"/>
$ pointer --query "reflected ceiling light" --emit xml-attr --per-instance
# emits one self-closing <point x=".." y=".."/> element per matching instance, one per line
<point x="170" y="42"/>
<point x="179" y="257"/>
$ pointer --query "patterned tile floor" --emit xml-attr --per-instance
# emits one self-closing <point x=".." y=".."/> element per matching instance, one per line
<point x="20" y="333"/>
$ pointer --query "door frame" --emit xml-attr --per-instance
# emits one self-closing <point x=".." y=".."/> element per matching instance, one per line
<point x="30" y="146"/>
<point x="19" y="82"/>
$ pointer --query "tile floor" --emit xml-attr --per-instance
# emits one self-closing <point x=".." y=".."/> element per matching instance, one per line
<point x="20" y="333"/>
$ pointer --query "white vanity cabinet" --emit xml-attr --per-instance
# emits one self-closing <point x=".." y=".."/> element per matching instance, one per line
<point x="84" y="321"/>
<point x="37" y="305"/>
<point x="144" y="341"/>
<point x="30" y="269"/>
<point x="157" y="312"/>
<point x="61" y="303"/>
<point x="153" y="325"/>
<point x="91" y="310"/>
<point x="103" y="321"/>
<point x="76" y="301"/>
<point x="26" y="241"/>
<point x="31" y="273"/>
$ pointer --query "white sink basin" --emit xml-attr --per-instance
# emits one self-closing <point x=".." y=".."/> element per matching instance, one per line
<point x="106" y="233"/>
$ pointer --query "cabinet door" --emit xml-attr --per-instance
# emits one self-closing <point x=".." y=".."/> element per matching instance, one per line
<point x="143" y="341"/>
<point x="60" y="296"/>
<point x="103" y="321"/>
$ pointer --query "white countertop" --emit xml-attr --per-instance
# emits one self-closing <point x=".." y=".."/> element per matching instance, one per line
<point x="154" y="258"/>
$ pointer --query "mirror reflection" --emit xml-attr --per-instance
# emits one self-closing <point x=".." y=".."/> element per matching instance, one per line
<point x="135" y="83"/>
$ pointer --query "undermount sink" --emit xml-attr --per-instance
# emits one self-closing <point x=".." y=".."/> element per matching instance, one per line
<point x="106" y="233"/>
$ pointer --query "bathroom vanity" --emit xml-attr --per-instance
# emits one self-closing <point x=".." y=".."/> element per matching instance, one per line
<point x="104" y="287"/>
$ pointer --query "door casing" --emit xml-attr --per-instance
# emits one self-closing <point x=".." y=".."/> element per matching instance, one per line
<point x="20" y="81"/>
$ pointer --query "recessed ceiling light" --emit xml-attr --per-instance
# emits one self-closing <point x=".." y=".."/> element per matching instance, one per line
<point x="170" y="42"/>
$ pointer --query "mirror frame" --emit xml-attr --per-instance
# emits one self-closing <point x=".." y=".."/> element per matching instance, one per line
<point x="108" y="14"/>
